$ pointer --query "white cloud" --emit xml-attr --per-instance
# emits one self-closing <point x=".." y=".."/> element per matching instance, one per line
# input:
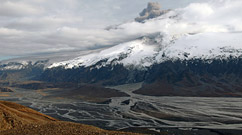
<point x="12" y="8"/>
<point x="44" y="26"/>
<point x="43" y="23"/>
<point x="10" y="32"/>
<point x="198" y="10"/>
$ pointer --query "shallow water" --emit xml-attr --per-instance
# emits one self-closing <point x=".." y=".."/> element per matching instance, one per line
<point x="147" y="111"/>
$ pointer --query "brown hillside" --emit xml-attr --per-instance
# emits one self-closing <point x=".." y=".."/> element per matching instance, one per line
<point x="16" y="119"/>
<point x="13" y="115"/>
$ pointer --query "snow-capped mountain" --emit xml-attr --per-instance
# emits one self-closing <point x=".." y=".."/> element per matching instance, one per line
<point x="199" y="31"/>
<point x="194" y="51"/>
<point x="147" y="51"/>
<point x="14" y="66"/>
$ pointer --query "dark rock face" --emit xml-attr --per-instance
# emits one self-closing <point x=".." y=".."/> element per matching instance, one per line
<point x="176" y="78"/>
<point x="111" y="75"/>
<point x="194" y="78"/>
<point x="178" y="70"/>
<point x="170" y="71"/>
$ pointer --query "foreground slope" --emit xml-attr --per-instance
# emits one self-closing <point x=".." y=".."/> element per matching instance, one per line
<point x="16" y="120"/>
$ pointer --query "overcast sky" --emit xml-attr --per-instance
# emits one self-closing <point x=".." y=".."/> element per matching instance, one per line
<point x="39" y="26"/>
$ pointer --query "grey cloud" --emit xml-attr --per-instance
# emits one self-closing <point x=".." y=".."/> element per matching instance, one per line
<point x="34" y="26"/>
<point x="43" y="23"/>
<point x="12" y="8"/>
<point x="153" y="10"/>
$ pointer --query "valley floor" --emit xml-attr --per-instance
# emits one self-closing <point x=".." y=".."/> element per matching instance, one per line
<point x="147" y="114"/>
